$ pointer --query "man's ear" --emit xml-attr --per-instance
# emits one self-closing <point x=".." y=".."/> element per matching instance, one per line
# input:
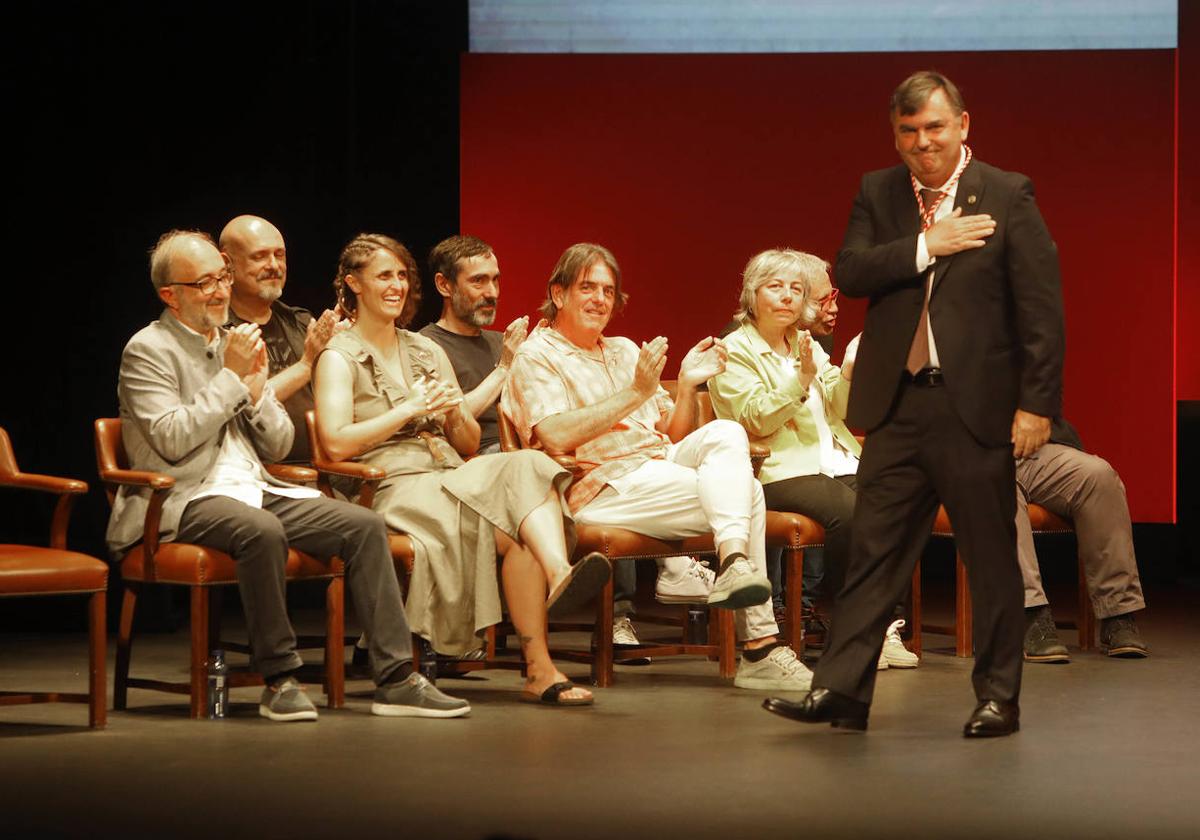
<point x="167" y="295"/>
<point x="445" y="287"/>
<point x="558" y="295"/>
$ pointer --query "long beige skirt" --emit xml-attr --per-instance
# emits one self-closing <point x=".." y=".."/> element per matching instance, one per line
<point x="454" y="594"/>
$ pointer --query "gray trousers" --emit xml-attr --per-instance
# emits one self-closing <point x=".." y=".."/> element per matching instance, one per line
<point x="258" y="540"/>
<point x="1085" y="489"/>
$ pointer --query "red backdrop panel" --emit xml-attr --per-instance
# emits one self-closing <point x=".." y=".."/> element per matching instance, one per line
<point x="1188" y="315"/>
<point x="686" y="165"/>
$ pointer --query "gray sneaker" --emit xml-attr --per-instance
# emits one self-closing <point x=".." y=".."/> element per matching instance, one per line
<point x="416" y="697"/>
<point x="286" y="701"/>
<point x="782" y="670"/>
<point x="739" y="586"/>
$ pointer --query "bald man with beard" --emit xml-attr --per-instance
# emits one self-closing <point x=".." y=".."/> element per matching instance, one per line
<point x="255" y="251"/>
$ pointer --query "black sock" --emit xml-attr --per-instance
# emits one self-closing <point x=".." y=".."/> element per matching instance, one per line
<point x="400" y="674"/>
<point x="759" y="654"/>
<point x="729" y="558"/>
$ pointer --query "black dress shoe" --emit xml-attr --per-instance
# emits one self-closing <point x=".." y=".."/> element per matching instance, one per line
<point x="992" y="719"/>
<point x="822" y="706"/>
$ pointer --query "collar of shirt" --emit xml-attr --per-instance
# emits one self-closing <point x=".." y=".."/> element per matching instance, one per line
<point x="565" y="344"/>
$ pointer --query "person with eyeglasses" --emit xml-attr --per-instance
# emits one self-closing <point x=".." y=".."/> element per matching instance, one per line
<point x="196" y="404"/>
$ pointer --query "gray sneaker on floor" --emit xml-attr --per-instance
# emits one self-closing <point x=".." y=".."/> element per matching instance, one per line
<point x="416" y="697"/>
<point x="781" y="670"/>
<point x="286" y="702"/>
<point x="739" y="586"/>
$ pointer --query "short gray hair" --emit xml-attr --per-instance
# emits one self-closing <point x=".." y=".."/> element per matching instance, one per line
<point x="164" y="250"/>
<point x="766" y="265"/>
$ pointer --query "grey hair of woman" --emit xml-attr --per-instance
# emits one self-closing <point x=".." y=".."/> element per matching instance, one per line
<point x="766" y="266"/>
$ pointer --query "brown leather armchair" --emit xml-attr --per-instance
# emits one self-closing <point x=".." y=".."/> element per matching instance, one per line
<point x="27" y="570"/>
<point x="204" y="571"/>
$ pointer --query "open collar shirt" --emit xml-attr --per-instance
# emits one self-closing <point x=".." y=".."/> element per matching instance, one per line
<point x="550" y="376"/>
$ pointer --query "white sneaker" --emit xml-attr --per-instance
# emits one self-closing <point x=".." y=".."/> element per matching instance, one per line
<point x="623" y="633"/>
<point x="690" y="587"/>
<point x="882" y="664"/>
<point x="782" y="670"/>
<point x="739" y="586"/>
<point x="894" y="652"/>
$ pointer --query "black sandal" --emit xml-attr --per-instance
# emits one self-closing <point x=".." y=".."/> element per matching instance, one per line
<point x="553" y="696"/>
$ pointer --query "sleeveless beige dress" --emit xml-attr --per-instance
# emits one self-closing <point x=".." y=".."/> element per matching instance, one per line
<point x="447" y="506"/>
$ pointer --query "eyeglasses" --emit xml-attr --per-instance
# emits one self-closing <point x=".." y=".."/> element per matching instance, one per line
<point x="828" y="300"/>
<point x="207" y="285"/>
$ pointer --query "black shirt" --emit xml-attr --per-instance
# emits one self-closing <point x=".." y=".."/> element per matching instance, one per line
<point x="284" y="336"/>
<point x="473" y="357"/>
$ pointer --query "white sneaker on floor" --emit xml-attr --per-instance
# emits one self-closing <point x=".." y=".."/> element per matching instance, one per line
<point x="894" y="651"/>
<point x="623" y="633"/>
<point x="690" y="587"/>
<point x="882" y="664"/>
<point x="781" y="670"/>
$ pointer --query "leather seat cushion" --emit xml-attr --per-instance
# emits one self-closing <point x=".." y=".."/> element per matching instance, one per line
<point x="190" y="564"/>
<point x="32" y="570"/>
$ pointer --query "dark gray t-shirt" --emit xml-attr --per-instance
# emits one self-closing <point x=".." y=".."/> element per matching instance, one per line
<point x="473" y="357"/>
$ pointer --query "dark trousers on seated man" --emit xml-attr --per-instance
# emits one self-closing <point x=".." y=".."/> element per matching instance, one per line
<point x="258" y="539"/>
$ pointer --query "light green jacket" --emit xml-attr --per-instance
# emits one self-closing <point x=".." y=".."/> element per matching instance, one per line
<point x="754" y="392"/>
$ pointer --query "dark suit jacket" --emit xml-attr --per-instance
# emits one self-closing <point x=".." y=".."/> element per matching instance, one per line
<point x="996" y="311"/>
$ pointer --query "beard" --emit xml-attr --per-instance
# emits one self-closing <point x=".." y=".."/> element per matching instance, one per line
<point x="270" y="292"/>
<point x="474" y="314"/>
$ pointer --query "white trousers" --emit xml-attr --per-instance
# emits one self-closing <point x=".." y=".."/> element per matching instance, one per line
<point x="705" y="484"/>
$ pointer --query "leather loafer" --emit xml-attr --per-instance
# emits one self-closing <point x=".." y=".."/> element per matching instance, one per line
<point x="822" y="706"/>
<point x="992" y="719"/>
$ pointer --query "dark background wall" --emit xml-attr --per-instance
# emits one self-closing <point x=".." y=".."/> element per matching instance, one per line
<point x="126" y="119"/>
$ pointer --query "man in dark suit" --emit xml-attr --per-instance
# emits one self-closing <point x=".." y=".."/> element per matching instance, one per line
<point x="958" y="372"/>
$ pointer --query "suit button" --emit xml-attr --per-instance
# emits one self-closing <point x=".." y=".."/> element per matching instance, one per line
<point x="209" y="354"/>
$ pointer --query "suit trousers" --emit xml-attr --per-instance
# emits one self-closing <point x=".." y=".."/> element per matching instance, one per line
<point x="258" y="539"/>
<point x="1086" y="490"/>
<point x="921" y="454"/>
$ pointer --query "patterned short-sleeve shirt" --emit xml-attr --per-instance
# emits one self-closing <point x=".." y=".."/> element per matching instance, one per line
<point x="550" y="375"/>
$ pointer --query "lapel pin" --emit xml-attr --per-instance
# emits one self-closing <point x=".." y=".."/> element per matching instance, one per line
<point x="970" y="199"/>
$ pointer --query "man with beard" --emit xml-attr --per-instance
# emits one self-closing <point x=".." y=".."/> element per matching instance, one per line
<point x="467" y="276"/>
<point x="254" y="250"/>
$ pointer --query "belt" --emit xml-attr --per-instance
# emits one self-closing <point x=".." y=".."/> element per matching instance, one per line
<point x="930" y="377"/>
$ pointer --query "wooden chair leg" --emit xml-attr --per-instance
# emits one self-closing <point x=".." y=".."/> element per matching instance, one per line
<point x="97" y="661"/>
<point x="794" y="599"/>
<point x="1087" y="616"/>
<point x="124" y="647"/>
<point x="915" y="612"/>
<point x="727" y="658"/>
<point x="199" y="599"/>
<point x="963" y="629"/>
<point x="490" y="641"/>
<point x="602" y="641"/>
<point x="335" y="647"/>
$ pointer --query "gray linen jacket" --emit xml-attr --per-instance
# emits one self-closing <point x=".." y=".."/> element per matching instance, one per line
<point x="177" y="400"/>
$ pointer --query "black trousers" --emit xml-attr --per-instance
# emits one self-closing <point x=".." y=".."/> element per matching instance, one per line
<point x="921" y="455"/>
<point x="829" y="501"/>
<point x="258" y="539"/>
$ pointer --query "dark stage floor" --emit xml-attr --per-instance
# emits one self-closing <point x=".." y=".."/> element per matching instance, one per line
<point x="1108" y="749"/>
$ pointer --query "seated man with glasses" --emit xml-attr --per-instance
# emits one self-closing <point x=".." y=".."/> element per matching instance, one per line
<point x="196" y="405"/>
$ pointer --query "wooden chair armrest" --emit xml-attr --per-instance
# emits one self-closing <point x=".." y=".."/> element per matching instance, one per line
<point x="758" y="454"/>
<point x="66" y="489"/>
<point x="369" y="476"/>
<point x="293" y="473"/>
<point x="45" y="483"/>
<point x="160" y="484"/>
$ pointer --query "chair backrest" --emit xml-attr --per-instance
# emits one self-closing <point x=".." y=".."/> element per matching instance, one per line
<point x="110" y="452"/>
<point x="510" y="441"/>
<point x="8" y="459"/>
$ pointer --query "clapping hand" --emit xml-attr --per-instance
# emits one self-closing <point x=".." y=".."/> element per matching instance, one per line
<point x="318" y="335"/>
<point x="651" y="361"/>
<point x="242" y="348"/>
<point x="806" y="365"/>
<point x="514" y="336"/>
<point x="256" y="379"/>
<point x="704" y="361"/>
<point x="850" y="357"/>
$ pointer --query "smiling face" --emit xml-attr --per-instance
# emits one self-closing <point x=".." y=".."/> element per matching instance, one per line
<point x="930" y="141"/>
<point x="824" y="299"/>
<point x="381" y="287"/>
<point x="258" y="258"/>
<point x="196" y="261"/>
<point x="586" y="306"/>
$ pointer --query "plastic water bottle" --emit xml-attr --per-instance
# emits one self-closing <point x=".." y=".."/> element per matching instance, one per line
<point x="218" y="685"/>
